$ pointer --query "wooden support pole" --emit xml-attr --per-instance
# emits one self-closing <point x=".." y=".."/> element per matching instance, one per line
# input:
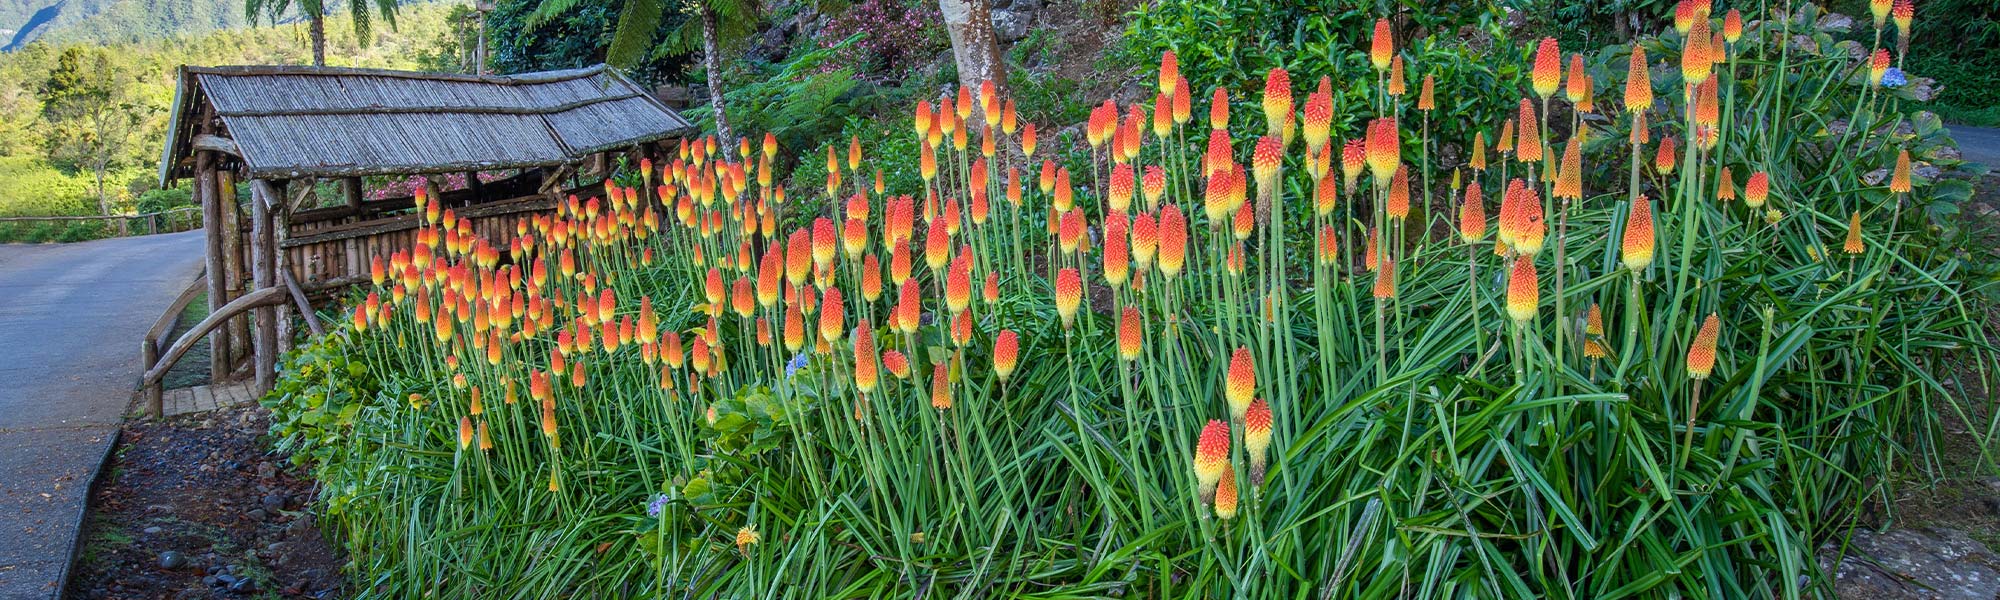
<point x="218" y="231"/>
<point x="478" y="187"/>
<point x="263" y="275"/>
<point x="233" y="271"/>
<point x="351" y="188"/>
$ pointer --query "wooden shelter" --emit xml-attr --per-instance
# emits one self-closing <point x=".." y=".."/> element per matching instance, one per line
<point x="291" y="130"/>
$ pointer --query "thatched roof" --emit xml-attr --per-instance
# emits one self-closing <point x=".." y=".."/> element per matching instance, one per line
<point x="293" y="121"/>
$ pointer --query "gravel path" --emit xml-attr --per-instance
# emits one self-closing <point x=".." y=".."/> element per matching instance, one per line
<point x="71" y="317"/>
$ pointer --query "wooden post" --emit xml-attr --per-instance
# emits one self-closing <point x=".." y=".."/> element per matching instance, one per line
<point x="263" y="274"/>
<point x="351" y="188"/>
<point x="218" y="295"/>
<point x="233" y="271"/>
<point x="149" y="355"/>
<point x="478" y="187"/>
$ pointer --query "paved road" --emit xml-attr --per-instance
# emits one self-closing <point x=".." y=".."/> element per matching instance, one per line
<point x="1978" y="144"/>
<point x="71" y="316"/>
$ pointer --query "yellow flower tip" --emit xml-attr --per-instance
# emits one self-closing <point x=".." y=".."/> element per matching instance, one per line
<point x="1523" y="291"/>
<point x="1211" y="457"/>
<point x="1701" y="354"/>
<point x="464" y="432"/>
<point x="745" y="538"/>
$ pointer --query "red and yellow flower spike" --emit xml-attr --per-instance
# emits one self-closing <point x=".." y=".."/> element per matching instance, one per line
<point x="865" y="375"/>
<point x="1318" y="116"/>
<point x="1472" y="214"/>
<point x="940" y="386"/>
<point x="1663" y="161"/>
<point x="1385" y="281"/>
<point x="1636" y="252"/>
<point x="1853" y="244"/>
<point x="1006" y="353"/>
<point x="1242" y="382"/>
<point x="1547" y="74"/>
<point x="1131" y="334"/>
<point x="1069" y="295"/>
<point x="1225" y="494"/>
<point x="1211" y="458"/>
<point x="1381" y="47"/>
<point x="1701" y="354"/>
<point x="1697" y="62"/>
<point x="1569" y="178"/>
<point x="1218" y="111"/>
<point x="1757" y="190"/>
<point x="1593" y="333"/>
<point x="1398" y="206"/>
<point x="1528" y="144"/>
<point x="1277" y="102"/>
<point x="1638" y="82"/>
<point x="1173" y="236"/>
<point x="896" y="364"/>
<point x="1524" y="293"/>
<point x="1384" y="149"/>
<point x="1257" y="438"/>
<point x="1427" y="97"/>
<point x="1576" y="88"/>
<point x="1899" y="180"/>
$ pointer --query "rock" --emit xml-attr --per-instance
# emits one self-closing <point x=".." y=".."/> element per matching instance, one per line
<point x="154" y="530"/>
<point x="1944" y="564"/>
<point x="273" y="503"/>
<point x="171" y="560"/>
<point x="212" y="580"/>
<point x="1011" y="26"/>
<point x="266" y="470"/>
<point x="257" y="514"/>
<point x="243" y="585"/>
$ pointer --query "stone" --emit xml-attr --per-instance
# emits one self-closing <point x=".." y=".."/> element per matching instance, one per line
<point x="257" y="514"/>
<point x="267" y="470"/>
<point x="243" y="585"/>
<point x="1011" y="25"/>
<point x="154" y="530"/>
<point x="1926" y="563"/>
<point x="273" y="503"/>
<point x="171" y="560"/>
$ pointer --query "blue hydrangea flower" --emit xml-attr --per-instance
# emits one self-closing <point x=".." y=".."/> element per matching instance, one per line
<point x="1894" y="78"/>
<point x="798" y="362"/>
<point x="656" y="505"/>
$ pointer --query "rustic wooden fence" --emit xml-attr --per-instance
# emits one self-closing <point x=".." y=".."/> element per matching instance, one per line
<point x="185" y="218"/>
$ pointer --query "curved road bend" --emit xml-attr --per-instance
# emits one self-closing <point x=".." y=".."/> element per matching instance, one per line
<point x="71" y="317"/>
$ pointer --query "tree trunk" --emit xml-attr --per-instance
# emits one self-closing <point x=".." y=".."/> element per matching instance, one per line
<point x="973" y="45"/>
<point x="711" y="61"/>
<point x="316" y="29"/>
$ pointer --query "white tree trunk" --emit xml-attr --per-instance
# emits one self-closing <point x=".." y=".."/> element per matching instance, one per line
<point x="711" y="62"/>
<point x="973" y="44"/>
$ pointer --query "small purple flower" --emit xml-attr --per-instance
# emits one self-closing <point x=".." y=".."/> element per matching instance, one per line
<point x="1894" y="78"/>
<point x="798" y="362"/>
<point x="655" y="506"/>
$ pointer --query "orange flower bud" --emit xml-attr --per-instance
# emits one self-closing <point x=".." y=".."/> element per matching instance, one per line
<point x="1006" y="353"/>
<point x="1547" y="73"/>
<point x="1211" y="457"/>
<point x="1257" y="438"/>
<point x="1701" y="354"/>
<point x="1637" y="250"/>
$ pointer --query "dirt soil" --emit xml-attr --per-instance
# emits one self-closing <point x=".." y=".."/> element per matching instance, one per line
<point x="196" y="507"/>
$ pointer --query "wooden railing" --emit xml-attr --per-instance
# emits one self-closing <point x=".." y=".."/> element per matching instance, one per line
<point x="185" y="218"/>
